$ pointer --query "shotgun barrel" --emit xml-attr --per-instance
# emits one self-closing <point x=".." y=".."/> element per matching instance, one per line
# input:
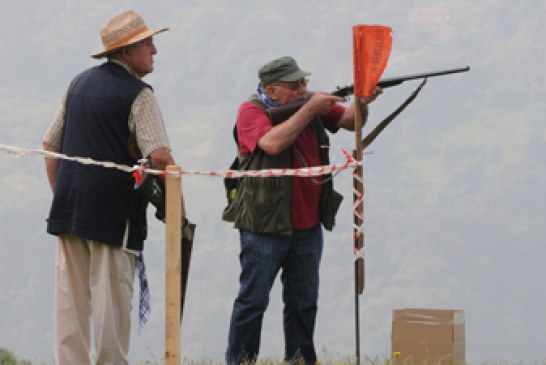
<point x="394" y="81"/>
<point x="281" y="113"/>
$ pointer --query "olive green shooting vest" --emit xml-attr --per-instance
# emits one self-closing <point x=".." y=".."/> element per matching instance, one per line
<point x="263" y="204"/>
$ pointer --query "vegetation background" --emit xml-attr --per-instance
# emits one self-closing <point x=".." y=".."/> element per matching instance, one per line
<point x="455" y="187"/>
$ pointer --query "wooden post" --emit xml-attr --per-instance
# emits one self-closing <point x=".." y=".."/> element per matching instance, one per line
<point x="358" y="213"/>
<point x="173" y="222"/>
<point x="359" y="190"/>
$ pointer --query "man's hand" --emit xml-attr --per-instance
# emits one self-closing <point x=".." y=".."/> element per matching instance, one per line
<point x="320" y="103"/>
<point x="52" y="165"/>
<point x="347" y="119"/>
<point x="375" y="93"/>
<point x="160" y="159"/>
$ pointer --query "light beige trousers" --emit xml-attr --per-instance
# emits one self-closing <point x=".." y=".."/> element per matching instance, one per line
<point x="94" y="288"/>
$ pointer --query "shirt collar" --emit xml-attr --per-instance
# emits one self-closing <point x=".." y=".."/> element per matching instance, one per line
<point x="125" y="66"/>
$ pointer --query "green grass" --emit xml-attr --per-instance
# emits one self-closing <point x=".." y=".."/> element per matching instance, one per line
<point x="325" y="358"/>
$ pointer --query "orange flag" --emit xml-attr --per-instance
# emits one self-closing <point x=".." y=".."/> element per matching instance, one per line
<point x="371" y="50"/>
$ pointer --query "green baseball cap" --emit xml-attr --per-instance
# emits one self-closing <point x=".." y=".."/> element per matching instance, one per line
<point x="281" y="69"/>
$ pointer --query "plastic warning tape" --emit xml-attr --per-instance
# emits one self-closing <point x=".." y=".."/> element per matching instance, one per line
<point x="350" y="163"/>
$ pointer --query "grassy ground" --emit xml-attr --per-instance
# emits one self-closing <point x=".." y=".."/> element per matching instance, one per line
<point x="325" y="358"/>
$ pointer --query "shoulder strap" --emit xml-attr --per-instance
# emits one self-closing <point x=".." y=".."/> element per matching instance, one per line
<point x="385" y="122"/>
<point x="254" y="99"/>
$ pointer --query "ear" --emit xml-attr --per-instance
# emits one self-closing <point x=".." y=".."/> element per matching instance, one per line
<point x="271" y="91"/>
<point x="118" y="54"/>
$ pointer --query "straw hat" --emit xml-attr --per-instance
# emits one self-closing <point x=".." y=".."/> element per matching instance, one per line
<point x="122" y="30"/>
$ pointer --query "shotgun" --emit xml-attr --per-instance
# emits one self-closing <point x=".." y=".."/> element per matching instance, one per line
<point x="281" y="113"/>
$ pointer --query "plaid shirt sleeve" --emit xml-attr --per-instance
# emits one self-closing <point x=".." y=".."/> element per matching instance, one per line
<point x="146" y="123"/>
<point x="54" y="134"/>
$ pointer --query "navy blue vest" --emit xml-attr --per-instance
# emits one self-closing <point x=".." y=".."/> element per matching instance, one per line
<point x="93" y="202"/>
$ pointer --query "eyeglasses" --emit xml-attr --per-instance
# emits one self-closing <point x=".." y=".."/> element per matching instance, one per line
<point x="293" y="85"/>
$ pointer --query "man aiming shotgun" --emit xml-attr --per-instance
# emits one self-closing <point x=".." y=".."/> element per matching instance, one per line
<point x="280" y="219"/>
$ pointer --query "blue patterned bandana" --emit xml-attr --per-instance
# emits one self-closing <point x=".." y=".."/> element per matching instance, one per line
<point x="266" y="99"/>
<point x="144" y="300"/>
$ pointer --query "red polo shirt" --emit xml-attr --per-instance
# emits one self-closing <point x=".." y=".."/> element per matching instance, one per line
<point x="253" y="124"/>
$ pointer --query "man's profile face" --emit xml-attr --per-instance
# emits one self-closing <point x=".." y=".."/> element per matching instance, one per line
<point x="139" y="56"/>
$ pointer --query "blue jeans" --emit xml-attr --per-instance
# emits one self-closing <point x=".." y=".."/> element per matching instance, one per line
<point x="261" y="258"/>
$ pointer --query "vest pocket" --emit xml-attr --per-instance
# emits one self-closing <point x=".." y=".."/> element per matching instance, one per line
<point x="265" y="205"/>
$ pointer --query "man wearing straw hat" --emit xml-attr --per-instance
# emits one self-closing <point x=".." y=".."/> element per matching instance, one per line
<point x="108" y="114"/>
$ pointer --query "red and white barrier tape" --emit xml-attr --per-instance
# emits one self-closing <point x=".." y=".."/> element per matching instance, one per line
<point x="358" y="253"/>
<point x="358" y="229"/>
<point x="138" y="170"/>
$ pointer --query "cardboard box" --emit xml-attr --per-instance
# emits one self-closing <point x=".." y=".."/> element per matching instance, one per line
<point x="428" y="336"/>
